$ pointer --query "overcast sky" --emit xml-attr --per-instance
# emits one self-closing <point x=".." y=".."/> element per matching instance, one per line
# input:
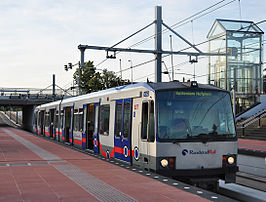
<point x="38" y="37"/>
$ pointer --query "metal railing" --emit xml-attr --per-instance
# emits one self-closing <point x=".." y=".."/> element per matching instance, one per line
<point x="257" y="117"/>
<point x="33" y="92"/>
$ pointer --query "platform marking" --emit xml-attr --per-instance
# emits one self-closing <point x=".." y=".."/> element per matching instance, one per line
<point x="92" y="185"/>
<point x="34" y="148"/>
<point x="96" y="187"/>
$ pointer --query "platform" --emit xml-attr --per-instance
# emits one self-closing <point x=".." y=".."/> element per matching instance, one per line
<point x="36" y="169"/>
<point x="252" y="159"/>
<point x="252" y="147"/>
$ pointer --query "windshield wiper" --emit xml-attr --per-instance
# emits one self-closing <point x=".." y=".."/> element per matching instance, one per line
<point x="212" y="136"/>
<point x="204" y="137"/>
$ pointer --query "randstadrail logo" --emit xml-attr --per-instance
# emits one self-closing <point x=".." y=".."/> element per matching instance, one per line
<point x="184" y="152"/>
<point x="192" y="152"/>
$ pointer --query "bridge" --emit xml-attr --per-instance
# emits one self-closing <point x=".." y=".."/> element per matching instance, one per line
<point x="28" y="99"/>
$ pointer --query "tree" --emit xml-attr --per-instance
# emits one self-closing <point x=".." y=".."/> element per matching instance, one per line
<point x="91" y="81"/>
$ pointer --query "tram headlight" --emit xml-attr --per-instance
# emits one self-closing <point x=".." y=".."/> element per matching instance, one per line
<point x="230" y="160"/>
<point x="164" y="163"/>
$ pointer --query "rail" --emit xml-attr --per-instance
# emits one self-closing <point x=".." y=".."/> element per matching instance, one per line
<point x="257" y="117"/>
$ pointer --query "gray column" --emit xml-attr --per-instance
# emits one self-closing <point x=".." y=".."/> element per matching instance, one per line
<point x="158" y="44"/>
<point x="27" y="117"/>
<point x="82" y="50"/>
<point x="53" y="86"/>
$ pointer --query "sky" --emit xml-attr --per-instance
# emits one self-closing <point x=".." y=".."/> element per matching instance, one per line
<point x="38" y="37"/>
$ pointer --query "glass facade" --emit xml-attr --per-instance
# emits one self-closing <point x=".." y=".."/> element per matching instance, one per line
<point x="239" y="68"/>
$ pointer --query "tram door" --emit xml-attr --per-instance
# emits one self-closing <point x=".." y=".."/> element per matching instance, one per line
<point x="51" y="114"/>
<point x="122" y="139"/>
<point x="95" y="129"/>
<point x="147" y="129"/>
<point x="67" y="123"/>
<point x="89" y="124"/>
<point x="42" y="122"/>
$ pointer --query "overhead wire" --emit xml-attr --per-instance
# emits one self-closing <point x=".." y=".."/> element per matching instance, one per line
<point x="143" y="63"/>
<point x="146" y="76"/>
<point x="176" y="65"/>
<point x="174" y="26"/>
<point x="180" y="23"/>
<point x="262" y="21"/>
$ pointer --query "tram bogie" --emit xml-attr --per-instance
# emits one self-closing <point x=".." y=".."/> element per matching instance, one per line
<point x="177" y="129"/>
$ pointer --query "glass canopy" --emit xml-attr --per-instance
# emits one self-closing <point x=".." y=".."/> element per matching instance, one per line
<point x="238" y="68"/>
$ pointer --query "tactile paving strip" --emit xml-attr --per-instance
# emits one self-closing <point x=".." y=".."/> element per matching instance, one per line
<point x="96" y="187"/>
<point x="34" y="148"/>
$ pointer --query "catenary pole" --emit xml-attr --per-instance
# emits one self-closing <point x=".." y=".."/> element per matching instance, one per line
<point x="158" y="44"/>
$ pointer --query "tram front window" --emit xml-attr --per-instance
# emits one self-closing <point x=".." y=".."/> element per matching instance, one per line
<point x="195" y="115"/>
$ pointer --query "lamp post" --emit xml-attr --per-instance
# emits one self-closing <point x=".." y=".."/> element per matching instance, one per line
<point x="131" y="66"/>
<point x="79" y="80"/>
<point x="69" y="66"/>
<point x="120" y="64"/>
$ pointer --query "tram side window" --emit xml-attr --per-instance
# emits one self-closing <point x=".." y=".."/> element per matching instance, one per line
<point x="41" y="114"/>
<point x="84" y="119"/>
<point x="47" y="120"/>
<point x="104" y="120"/>
<point x="126" y="123"/>
<point x="80" y="119"/>
<point x="151" y="123"/>
<point x="96" y="120"/>
<point x="51" y="116"/>
<point x="118" y="119"/>
<point x="56" y="120"/>
<point x="61" y="120"/>
<point x="76" y="121"/>
<point x="144" y="120"/>
<point x="35" y="119"/>
<point x="39" y="118"/>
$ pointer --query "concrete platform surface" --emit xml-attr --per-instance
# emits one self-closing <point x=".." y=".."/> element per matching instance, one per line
<point x="256" y="145"/>
<point x="34" y="169"/>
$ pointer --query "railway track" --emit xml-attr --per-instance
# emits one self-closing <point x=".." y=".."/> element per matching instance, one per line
<point x="252" y="181"/>
<point x="241" y="193"/>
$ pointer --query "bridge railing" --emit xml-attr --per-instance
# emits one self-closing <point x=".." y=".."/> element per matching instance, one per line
<point x="31" y="93"/>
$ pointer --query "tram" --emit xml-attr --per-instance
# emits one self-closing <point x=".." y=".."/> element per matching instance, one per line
<point x="179" y="129"/>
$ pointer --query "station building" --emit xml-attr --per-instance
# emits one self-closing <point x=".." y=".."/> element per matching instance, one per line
<point x="239" y="67"/>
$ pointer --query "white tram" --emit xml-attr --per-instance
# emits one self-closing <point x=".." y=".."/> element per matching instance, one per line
<point x="185" y="130"/>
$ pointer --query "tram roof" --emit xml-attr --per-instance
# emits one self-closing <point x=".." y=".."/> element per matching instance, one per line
<point x="181" y="85"/>
<point x="174" y="85"/>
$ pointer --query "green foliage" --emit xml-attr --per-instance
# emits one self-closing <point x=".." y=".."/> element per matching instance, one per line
<point x="91" y="81"/>
<point x="2" y="108"/>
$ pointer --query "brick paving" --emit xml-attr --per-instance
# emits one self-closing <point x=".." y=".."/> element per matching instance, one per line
<point x="34" y="169"/>
<point x="257" y="145"/>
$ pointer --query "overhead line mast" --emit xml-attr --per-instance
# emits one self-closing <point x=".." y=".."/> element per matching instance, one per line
<point x="158" y="46"/>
